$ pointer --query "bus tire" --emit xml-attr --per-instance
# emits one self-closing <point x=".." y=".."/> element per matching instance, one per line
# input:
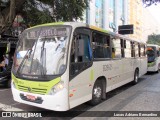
<point x="136" y="76"/>
<point x="97" y="93"/>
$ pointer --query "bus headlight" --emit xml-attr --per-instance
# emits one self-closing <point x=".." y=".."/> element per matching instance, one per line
<point x="56" y="88"/>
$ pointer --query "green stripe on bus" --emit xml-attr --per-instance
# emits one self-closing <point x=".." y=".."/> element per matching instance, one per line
<point x="36" y="87"/>
<point x="151" y="64"/>
<point x="47" y="24"/>
<point x="91" y="75"/>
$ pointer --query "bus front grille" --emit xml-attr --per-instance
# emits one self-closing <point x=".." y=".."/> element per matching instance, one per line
<point x="32" y="90"/>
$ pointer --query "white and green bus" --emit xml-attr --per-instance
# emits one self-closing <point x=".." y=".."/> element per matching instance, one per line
<point x="58" y="66"/>
<point x="153" y="53"/>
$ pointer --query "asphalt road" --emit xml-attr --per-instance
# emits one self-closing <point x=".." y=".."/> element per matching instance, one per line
<point x="144" y="96"/>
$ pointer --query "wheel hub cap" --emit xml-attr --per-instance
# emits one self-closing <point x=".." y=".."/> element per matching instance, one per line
<point x="97" y="92"/>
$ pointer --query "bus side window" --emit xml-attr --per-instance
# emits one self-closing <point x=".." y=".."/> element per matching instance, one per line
<point x="139" y="50"/>
<point x="113" y="52"/>
<point x="116" y="48"/>
<point x="136" y="50"/>
<point x="143" y="50"/>
<point x="122" y="48"/>
<point x="132" y="49"/>
<point x="101" y="45"/>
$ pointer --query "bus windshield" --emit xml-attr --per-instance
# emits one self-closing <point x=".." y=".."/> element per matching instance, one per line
<point x="42" y="51"/>
<point x="151" y="54"/>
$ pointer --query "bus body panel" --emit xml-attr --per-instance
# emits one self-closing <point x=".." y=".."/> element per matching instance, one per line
<point x="57" y="102"/>
<point x="155" y="67"/>
<point x="143" y="66"/>
<point x="80" y="88"/>
<point x="117" y="73"/>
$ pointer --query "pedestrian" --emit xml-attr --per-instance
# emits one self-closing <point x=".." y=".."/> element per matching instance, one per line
<point x="4" y="63"/>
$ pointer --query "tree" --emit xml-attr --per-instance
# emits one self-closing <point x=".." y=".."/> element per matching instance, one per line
<point x="8" y="12"/>
<point x="148" y="3"/>
<point x="41" y="11"/>
<point x="154" y="39"/>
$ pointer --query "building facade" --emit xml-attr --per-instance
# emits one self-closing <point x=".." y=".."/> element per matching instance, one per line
<point x="135" y="17"/>
<point x="109" y="14"/>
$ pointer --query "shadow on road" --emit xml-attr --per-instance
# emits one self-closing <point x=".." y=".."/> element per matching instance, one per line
<point x="3" y="86"/>
<point x="151" y="73"/>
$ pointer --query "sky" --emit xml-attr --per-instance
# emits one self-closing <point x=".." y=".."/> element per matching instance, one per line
<point x="155" y="10"/>
<point x="151" y="14"/>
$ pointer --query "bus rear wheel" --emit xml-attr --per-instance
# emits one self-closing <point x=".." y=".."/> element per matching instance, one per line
<point x="136" y="76"/>
<point x="97" y="93"/>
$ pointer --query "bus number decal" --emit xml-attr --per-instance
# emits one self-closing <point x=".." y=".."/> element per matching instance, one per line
<point x="107" y="67"/>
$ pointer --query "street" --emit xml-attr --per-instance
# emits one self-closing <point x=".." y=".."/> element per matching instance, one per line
<point x="144" y="96"/>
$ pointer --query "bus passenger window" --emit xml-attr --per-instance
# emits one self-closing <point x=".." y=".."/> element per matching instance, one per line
<point x="116" y="48"/>
<point x="113" y="52"/>
<point x="101" y="45"/>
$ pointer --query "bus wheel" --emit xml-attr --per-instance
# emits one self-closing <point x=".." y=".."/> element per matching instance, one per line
<point x="97" y="93"/>
<point x="136" y="76"/>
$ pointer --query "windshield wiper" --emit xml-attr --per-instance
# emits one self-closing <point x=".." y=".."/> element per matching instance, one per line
<point x="43" y="59"/>
<point x="25" y="57"/>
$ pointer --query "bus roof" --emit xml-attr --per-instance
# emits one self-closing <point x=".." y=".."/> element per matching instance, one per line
<point x="80" y="24"/>
<point x="153" y="45"/>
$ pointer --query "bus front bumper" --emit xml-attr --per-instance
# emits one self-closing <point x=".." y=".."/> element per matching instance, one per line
<point x="152" y="69"/>
<point x="56" y="102"/>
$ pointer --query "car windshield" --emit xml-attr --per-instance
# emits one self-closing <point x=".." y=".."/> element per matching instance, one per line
<point x="151" y="54"/>
<point x="42" y="51"/>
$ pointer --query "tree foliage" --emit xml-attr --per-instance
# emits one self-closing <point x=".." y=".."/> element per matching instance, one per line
<point x="148" y="3"/>
<point x="41" y="11"/>
<point x="154" y="39"/>
<point x="8" y="12"/>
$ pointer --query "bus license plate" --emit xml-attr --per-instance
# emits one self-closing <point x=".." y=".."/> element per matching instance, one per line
<point x="31" y="97"/>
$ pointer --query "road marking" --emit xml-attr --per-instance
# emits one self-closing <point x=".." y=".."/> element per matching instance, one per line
<point x="5" y="107"/>
<point x="15" y="104"/>
<point x="4" y="89"/>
